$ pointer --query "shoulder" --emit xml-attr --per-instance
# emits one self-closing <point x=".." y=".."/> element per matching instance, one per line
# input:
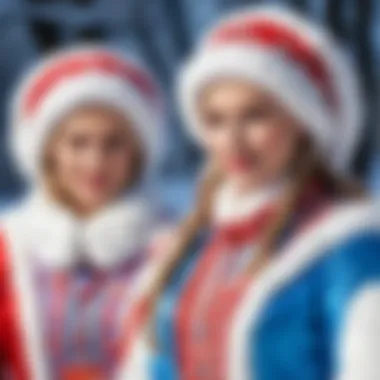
<point x="353" y="232"/>
<point x="15" y="226"/>
<point x="342" y="228"/>
<point x="8" y="228"/>
<point x="335" y="240"/>
<point x="14" y="221"/>
<point x="356" y="258"/>
<point x="352" y="258"/>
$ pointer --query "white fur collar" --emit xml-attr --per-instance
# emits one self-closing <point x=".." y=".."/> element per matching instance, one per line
<point x="229" y="206"/>
<point x="57" y="238"/>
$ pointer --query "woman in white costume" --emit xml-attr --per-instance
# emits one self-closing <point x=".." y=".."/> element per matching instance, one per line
<point x="86" y="132"/>
<point x="275" y="274"/>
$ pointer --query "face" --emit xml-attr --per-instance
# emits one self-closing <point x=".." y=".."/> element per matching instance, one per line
<point x="247" y="133"/>
<point x="92" y="157"/>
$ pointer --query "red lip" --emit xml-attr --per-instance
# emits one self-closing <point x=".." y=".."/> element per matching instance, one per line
<point x="97" y="182"/>
<point x="239" y="164"/>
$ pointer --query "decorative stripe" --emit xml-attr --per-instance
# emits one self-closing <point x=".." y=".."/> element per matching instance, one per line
<point x="60" y="286"/>
<point x="26" y="302"/>
<point x="81" y="63"/>
<point x="273" y="34"/>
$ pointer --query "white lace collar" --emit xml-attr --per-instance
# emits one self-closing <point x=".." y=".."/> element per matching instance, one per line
<point x="57" y="238"/>
<point x="230" y="206"/>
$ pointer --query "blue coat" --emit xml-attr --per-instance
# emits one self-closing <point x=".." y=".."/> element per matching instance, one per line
<point x="314" y="313"/>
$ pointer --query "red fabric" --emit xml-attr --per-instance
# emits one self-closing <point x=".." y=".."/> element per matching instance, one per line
<point x="283" y="38"/>
<point x="57" y="311"/>
<point x="202" y="327"/>
<point x="133" y="326"/>
<point x="83" y="63"/>
<point x="13" y="355"/>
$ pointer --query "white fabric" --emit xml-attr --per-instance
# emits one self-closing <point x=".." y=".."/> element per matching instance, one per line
<point x="56" y="238"/>
<point x="138" y="365"/>
<point x="261" y="66"/>
<point x="360" y="343"/>
<point x="231" y="206"/>
<point x="23" y="283"/>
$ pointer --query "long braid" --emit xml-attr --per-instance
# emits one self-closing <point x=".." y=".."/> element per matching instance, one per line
<point x="302" y="173"/>
<point x="187" y="233"/>
<point x="309" y="167"/>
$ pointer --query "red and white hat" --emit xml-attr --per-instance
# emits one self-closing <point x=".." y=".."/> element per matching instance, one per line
<point x="292" y="58"/>
<point x="81" y="76"/>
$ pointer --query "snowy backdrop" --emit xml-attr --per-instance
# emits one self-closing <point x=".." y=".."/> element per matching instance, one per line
<point x="162" y="32"/>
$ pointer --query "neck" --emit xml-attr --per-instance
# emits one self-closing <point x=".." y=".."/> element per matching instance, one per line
<point x="234" y="202"/>
<point x="249" y="187"/>
<point x="78" y="209"/>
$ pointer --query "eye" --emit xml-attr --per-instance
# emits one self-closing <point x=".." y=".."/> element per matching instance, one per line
<point x="213" y="119"/>
<point x="115" y="143"/>
<point x="256" y="113"/>
<point x="79" y="142"/>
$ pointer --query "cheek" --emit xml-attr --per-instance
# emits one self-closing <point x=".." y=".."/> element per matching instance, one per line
<point x="118" y="166"/>
<point x="263" y="138"/>
<point x="69" y="165"/>
<point x="274" y="144"/>
<point x="217" y="143"/>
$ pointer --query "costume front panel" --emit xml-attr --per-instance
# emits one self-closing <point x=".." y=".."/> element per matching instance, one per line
<point x="198" y="307"/>
<point x="81" y="313"/>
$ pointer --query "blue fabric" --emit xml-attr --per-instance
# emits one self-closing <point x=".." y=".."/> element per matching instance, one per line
<point x="298" y="331"/>
<point x="163" y="365"/>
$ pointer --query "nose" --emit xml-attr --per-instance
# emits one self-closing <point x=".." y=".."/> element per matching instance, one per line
<point x="95" y="157"/>
<point x="235" y="137"/>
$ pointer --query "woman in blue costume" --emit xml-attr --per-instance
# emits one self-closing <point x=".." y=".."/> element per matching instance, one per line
<point x="275" y="274"/>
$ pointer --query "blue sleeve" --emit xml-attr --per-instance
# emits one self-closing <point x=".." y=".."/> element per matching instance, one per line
<point x="162" y="367"/>
<point x="352" y="265"/>
<point x="352" y="269"/>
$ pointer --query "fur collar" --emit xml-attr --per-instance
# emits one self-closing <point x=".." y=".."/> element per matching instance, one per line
<point x="230" y="207"/>
<point x="56" y="238"/>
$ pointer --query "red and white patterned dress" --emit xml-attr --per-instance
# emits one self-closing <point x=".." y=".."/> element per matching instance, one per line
<point x="67" y="287"/>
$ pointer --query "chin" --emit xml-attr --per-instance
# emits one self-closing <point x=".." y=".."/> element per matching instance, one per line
<point x="94" y="201"/>
<point x="247" y="179"/>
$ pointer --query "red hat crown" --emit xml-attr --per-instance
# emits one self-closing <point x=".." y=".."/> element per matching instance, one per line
<point x="276" y="35"/>
<point x="83" y="63"/>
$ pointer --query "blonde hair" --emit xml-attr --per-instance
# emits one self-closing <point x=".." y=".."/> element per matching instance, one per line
<point x="308" y="166"/>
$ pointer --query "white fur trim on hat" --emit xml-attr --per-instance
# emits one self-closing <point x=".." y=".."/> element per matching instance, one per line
<point x="336" y="131"/>
<point x="29" y="134"/>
